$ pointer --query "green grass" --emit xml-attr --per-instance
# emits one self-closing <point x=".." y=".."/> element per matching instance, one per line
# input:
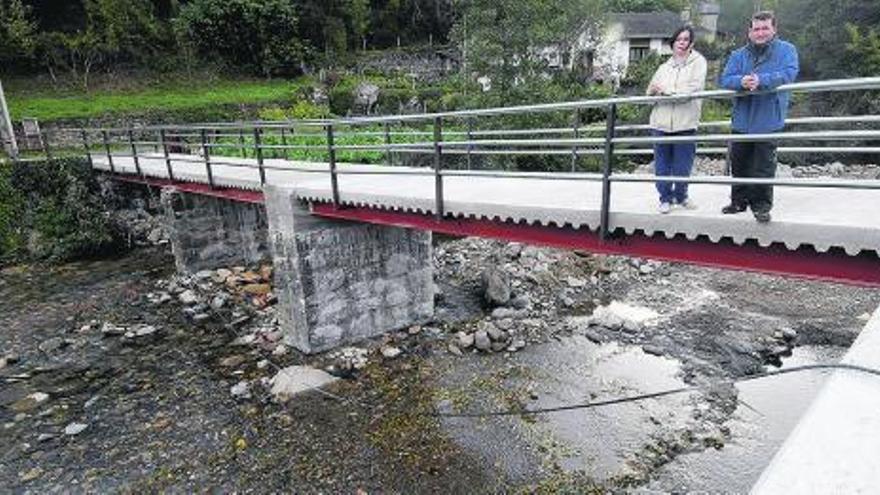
<point x="175" y="98"/>
<point x="243" y="147"/>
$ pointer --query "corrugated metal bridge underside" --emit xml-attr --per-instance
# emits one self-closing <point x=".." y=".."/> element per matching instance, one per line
<point x="829" y="234"/>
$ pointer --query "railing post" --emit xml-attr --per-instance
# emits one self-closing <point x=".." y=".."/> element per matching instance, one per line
<point x="438" y="177"/>
<point x="241" y="145"/>
<point x="604" y="233"/>
<point x="334" y="180"/>
<point x="470" y="137"/>
<point x="574" y="149"/>
<point x="85" y="140"/>
<point x="389" y="157"/>
<point x="207" y="154"/>
<point x="284" y="143"/>
<point x="165" y="153"/>
<point x="258" y="152"/>
<point x="134" y="153"/>
<point x="107" y="149"/>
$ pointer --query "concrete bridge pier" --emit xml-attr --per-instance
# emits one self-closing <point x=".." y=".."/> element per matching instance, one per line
<point x="208" y="233"/>
<point x="339" y="282"/>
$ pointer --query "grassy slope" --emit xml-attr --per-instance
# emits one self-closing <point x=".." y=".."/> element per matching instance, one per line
<point x="51" y="105"/>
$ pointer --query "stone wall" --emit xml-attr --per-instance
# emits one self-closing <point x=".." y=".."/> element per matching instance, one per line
<point x="341" y="282"/>
<point x="208" y="232"/>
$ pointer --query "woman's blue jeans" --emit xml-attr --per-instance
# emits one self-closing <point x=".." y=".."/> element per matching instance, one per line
<point x="673" y="159"/>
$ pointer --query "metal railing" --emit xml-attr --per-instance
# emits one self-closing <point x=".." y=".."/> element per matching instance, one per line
<point x="207" y="143"/>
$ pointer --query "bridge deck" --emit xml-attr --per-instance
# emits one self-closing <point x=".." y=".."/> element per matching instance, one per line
<point x="822" y="218"/>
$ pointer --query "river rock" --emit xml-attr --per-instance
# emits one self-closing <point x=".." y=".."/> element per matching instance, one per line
<point x="221" y="275"/>
<point x="496" y="286"/>
<point x="482" y="340"/>
<point x="494" y="332"/>
<point x="294" y="380"/>
<point x="219" y="301"/>
<point x="109" y="329"/>
<point x="257" y="289"/>
<point x="464" y="340"/>
<point x="75" y="429"/>
<point x="241" y="390"/>
<point x="188" y="297"/>
<point x="653" y="350"/>
<point x="232" y="361"/>
<point x="521" y="302"/>
<point x="391" y="352"/>
<point x="266" y="273"/>
<point x="52" y="345"/>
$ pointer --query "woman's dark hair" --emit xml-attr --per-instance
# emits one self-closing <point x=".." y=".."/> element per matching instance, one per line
<point x="680" y="30"/>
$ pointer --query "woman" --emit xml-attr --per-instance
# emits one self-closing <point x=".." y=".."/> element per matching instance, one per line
<point x="683" y="73"/>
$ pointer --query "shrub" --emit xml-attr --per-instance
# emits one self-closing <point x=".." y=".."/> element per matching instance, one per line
<point x="260" y="35"/>
<point x="52" y="210"/>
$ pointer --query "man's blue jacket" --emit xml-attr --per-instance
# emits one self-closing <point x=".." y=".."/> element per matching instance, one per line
<point x="775" y="65"/>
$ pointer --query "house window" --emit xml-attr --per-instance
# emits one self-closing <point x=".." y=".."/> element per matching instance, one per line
<point x="639" y="48"/>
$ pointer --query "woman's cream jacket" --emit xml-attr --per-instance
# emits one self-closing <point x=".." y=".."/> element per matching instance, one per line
<point x="675" y="78"/>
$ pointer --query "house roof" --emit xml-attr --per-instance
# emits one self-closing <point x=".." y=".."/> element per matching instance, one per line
<point x="648" y="24"/>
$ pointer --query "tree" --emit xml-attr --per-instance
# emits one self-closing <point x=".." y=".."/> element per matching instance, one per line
<point x="863" y="50"/>
<point x="645" y="5"/>
<point x="359" y="13"/>
<point x="259" y="35"/>
<point x="113" y="31"/>
<point x="504" y="37"/>
<point x="17" y="32"/>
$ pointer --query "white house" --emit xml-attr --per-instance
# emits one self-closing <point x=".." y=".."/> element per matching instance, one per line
<point x="627" y="38"/>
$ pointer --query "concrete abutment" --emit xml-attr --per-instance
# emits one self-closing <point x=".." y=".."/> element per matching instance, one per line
<point x="337" y="282"/>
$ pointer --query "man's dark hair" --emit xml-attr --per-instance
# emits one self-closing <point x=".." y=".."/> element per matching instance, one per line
<point x="680" y="30"/>
<point x="764" y="15"/>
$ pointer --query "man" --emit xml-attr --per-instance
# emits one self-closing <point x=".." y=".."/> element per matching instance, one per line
<point x="766" y="63"/>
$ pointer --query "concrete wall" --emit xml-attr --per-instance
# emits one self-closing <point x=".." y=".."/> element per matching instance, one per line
<point x="208" y="232"/>
<point x="341" y="282"/>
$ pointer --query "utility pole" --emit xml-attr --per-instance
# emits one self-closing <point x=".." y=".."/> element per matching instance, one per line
<point x="7" y="133"/>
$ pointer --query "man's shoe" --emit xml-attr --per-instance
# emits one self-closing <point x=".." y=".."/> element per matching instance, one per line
<point x="762" y="216"/>
<point x="733" y="208"/>
<point x="688" y="204"/>
<point x="665" y="208"/>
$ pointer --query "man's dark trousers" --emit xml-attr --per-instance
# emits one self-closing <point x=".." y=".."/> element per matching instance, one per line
<point x="753" y="160"/>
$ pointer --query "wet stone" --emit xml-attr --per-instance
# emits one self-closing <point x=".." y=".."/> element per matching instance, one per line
<point x="52" y="345"/>
<point x="75" y="429"/>
<point x="482" y="340"/>
<point x="464" y="340"/>
<point x="653" y="350"/>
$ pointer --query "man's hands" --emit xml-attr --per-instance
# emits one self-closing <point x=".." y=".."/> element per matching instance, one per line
<point x="655" y="89"/>
<point x="750" y="82"/>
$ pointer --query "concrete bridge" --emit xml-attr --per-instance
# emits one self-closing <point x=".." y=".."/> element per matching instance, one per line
<point x="351" y="243"/>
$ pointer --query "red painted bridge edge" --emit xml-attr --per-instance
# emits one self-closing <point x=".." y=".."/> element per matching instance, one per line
<point x="832" y="266"/>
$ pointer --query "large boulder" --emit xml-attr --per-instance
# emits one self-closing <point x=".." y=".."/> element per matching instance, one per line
<point x="366" y="96"/>
<point x="496" y="286"/>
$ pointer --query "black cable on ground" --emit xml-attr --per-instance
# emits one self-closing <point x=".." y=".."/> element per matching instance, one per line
<point x="654" y="395"/>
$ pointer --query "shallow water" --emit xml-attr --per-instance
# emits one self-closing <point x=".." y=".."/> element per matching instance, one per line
<point x="769" y="410"/>
<point x="597" y="442"/>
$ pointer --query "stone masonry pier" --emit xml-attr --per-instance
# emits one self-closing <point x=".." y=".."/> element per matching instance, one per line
<point x="337" y="282"/>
